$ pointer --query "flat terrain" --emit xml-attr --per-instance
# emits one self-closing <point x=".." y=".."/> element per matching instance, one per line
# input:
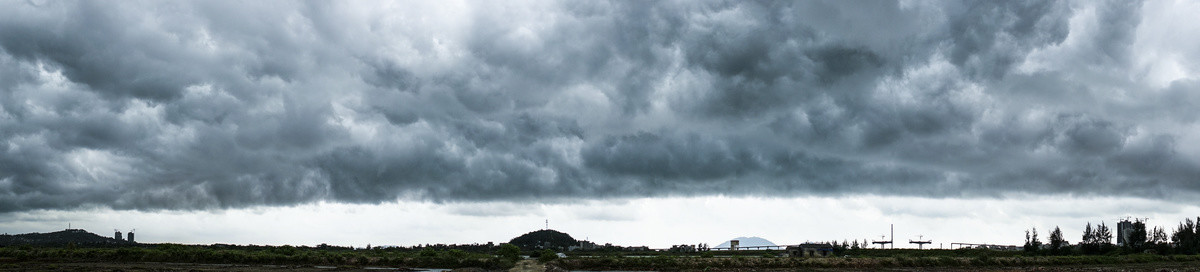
<point x="191" y="267"/>
<point x="532" y="266"/>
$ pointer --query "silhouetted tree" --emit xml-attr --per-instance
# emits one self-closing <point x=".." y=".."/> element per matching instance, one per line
<point x="1158" y="241"/>
<point x="1088" y="244"/>
<point x="1032" y="244"/>
<point x="1103" y="238"/>
<point x="1056" y="241"/>
<point x="1137" y="236"/>
<point x="1096" y="241"/>
<point x="1185" y="237"/>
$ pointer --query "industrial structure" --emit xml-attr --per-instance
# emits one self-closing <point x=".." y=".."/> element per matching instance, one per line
<point x="892" y="239"/>
<point x="117" y="235"/>
<point x="131" y="236"/>
<point x="920" y="243"/>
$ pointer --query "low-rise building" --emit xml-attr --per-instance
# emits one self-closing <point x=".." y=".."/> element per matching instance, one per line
<point x="810" y="250"/>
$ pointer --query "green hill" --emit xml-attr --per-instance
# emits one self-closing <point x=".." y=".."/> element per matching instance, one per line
<point x="544" y="239"/>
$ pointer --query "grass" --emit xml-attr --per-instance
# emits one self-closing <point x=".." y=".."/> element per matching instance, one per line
<point x="449" y="258"/>
<point x="869" y="262"/>
<point x="262" y="255"/>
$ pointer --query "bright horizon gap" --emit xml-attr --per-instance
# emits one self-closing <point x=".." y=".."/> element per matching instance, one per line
<point x="653" y="222"/>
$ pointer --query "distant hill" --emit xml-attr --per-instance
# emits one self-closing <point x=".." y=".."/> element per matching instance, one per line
<point x="545" y="239"/>
<point x="747" y="242"/>
<point x="63" y="237"/>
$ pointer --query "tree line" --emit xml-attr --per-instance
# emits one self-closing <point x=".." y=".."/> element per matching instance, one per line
<point x="1185" y="239"/>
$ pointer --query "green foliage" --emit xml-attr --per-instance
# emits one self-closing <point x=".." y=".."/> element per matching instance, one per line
<point x="552" y="238"/>
<point x="857" y="263"/>
<point x="282" y="255"/>
<point x="428" y="253"/>
<point x="547" y="256"/>
<point x="509" y="252"/>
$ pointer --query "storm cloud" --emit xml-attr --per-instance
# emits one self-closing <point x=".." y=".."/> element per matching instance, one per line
<point x="209" y="104"/>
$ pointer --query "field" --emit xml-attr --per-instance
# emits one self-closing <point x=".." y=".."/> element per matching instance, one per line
<point x="170" y="257"/>
<point x="152" y="266"/>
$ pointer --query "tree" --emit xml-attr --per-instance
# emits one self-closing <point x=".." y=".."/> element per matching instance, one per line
<point x="547" y="256"/>
<point x="1056" y="241"/>
<point x="1158" y="240"/>
<point x="510" y="252"/>
<point x="1088" y="244"/>
<point x="1103" y="238"/>
<point x="1137" y="236"/>
<point x="1032" y="244"/>
<point x="1185" y="237"/>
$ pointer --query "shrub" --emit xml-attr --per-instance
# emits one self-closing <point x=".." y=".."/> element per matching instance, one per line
<point x="547" y="256"/>
<point x="509" y="252"/>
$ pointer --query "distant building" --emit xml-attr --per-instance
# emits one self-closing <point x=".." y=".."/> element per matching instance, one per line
<point x="733" y="244"/>
<point x="131" y="237"/>
<point x="117" y="236"/>
<point x="1124" y="231"/>
<point x="583" y="245"/>
<point x="810" y="250"/>
<point x="683" y="248"/>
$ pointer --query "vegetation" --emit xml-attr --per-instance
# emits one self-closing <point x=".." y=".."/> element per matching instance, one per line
<point x="1144" y="245"/>
<point x="1098" y="240"/>
<point x="544" y="239"/>
<point x="686" y="263"/>
<point x="509" y="252"/>
<point x="547" y="256"/>
<point x="1032" y="244"/>
<point x="1184" y="238"/>
<point x="275" y="255"/>
<point x="1057" y="244"/>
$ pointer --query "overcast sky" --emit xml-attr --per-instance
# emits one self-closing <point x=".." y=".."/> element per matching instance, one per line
<point x="415" y="116"/>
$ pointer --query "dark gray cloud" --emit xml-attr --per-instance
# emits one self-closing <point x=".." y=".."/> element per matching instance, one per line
<point x="209" y="105"/>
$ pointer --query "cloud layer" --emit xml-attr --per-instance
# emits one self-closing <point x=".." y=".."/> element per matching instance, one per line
<point x="208" y="105"/>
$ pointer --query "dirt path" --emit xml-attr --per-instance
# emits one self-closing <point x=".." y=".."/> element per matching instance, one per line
<point x="528" y="266"/>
